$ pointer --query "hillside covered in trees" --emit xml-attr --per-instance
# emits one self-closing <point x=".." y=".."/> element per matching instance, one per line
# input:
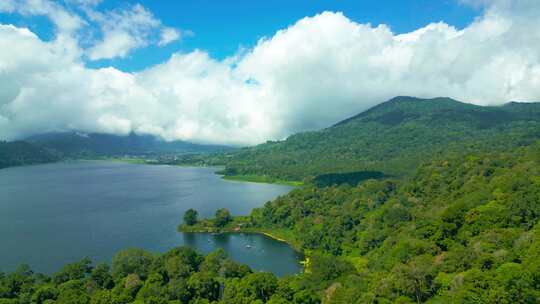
<point x="20" y="153"/>
<point x="462" y="229"/>
<point x="78" y="144"/>
<point x="50" y="147"/>
<point x="393" y="138"/>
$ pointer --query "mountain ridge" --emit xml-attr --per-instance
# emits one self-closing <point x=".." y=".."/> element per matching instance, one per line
<point x="76" y="143"/>
<point x="56" y="146"/>
<point x="438" y="103"/>
<point x="391" y="137"/>
<point x="18" y="153"/>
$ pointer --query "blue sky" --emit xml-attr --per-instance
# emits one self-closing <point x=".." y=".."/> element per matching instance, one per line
<point x="221" y="27"/>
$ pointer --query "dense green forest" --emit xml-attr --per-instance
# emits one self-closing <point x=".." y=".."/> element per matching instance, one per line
<point x="180" y="275"/>
<point x="463" y="229"/>
<point x="20" y="153"/>
<point x="393" y="137"/>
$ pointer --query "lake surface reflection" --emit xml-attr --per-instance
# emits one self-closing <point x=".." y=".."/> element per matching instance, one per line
<point x="59" y="213"/>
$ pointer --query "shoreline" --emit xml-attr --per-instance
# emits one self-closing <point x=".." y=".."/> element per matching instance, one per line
<point x="235" y="178"/>
<point x="275" y="237"/>
<point x="209" y="229"/>
<point x="260" y="180"/>
<point x="305" y="259"/>
<point x="142" y="161"/>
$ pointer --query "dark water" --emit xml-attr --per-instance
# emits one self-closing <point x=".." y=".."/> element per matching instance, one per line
<point x="58" y="213"/>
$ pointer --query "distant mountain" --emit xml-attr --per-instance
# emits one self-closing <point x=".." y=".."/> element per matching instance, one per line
<point x="77" y="144"/>
<point x="20" y="153"/>
<point x="393" y="138"/>
<point x="52" y="147"/>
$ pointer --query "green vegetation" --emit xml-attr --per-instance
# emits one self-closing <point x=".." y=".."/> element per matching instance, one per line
<point x="393" y="138"/>
<point x="223" y="217"/>
<point x="352" y="178"/>
<point x="137" y="149"/>
<point x="213" y="225"/>
<point x="181" y="275"/>
<point x="191" y="217"/>
<point x="462" y="229"/>
<point x="129" y="160"/>
<point x="261" y="179"/>
<point x="19" y="153"/>
<point x="411" y="202"/>
<point x="92" y="145"/>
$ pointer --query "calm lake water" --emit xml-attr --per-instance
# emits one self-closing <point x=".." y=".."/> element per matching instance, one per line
<point x="59" y="213"/>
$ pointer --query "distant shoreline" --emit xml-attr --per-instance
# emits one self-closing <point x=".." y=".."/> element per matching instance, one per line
<point x="261" y="180"/>
<point x="237" y="178"/>
<point x="142" y="161"/>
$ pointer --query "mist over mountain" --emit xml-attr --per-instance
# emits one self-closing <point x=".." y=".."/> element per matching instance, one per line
<point x="392" y="137"/>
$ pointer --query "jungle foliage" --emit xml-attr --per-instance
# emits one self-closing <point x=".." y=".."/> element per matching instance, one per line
<point x="393" y="138"/>
<point x="180" y="275"/>
<point x="462" y="229"/>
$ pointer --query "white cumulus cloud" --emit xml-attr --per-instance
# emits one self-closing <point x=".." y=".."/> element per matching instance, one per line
<point x="310" y="75"/>
<point x="65" y="21"/>
<point x="168" y="35"/>
<point x="126" y="30"/>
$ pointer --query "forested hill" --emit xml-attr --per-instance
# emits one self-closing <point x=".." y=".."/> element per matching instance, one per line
<point x="50" y="147"/>
<point x="20" y="153"/>
<point x="393" y="137"/>
<point x="461" y="229"/>
<point x="78" y="144"/>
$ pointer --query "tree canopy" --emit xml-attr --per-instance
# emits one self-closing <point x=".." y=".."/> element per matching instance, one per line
<point x="190" y="217"/>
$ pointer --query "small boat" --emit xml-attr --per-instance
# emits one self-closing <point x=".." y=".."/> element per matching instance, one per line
<point x="248" y="246"/>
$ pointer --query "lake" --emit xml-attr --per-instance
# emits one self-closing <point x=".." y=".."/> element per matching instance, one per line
<point x="59" y="213"/>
